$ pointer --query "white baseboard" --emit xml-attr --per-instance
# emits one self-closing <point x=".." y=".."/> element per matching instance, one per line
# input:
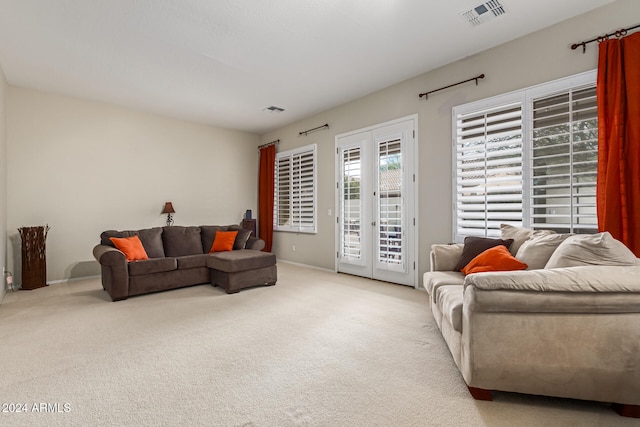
<point x="72" y="279"/>
<point x="306" y="265"/>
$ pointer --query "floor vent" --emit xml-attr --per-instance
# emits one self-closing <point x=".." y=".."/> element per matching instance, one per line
<point x="483" y="13"/>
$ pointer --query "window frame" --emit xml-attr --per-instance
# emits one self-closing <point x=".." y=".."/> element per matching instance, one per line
<point x="291" y="155"/>
<point x="526" y="98"/>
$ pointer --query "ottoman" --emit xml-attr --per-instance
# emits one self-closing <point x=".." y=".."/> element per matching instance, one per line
<point x="239" y="269"/>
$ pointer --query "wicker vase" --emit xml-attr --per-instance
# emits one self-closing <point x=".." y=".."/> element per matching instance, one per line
<point x="34" y="257"/>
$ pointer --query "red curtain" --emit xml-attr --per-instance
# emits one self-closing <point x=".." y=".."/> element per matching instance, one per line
<point x="618" y="184"/>
<point x="265" y="195"/>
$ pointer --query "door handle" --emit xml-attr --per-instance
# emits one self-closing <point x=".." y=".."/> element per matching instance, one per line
<point x="373" y="224"/>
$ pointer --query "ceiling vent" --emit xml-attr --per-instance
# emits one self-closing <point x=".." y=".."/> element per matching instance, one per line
<point x="483" y="13"/>
<point x="274" y="109"/>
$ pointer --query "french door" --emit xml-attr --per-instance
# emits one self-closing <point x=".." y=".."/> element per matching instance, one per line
<point x="375" y="200"/>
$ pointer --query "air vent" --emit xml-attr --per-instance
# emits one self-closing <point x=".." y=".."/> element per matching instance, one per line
<point x="274" y="109"/>
<point x="483" y="13"/>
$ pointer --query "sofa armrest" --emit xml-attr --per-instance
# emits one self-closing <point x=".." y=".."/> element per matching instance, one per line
<point x="255" y="243"/>
<point x="445" y="257"/>
<point x="106" y="255"/>
<point x="115" y="271"/>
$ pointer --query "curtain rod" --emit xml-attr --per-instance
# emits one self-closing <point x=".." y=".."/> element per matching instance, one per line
<point x="618" y="33"/>
<point x="326" y="125"/>
<point x="426" y="94"/>
<point x="276" y="142"/>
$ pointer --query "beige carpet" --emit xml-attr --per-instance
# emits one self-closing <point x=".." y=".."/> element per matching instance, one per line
<point x="317" y="349"/>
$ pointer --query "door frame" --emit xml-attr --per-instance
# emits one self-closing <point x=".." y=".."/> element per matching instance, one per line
<point x="338" y="191"/>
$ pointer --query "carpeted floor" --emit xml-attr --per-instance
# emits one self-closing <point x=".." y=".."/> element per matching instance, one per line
<point x="317" y="349"/>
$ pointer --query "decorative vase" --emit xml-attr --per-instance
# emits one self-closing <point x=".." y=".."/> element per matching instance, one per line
<point x="34" y="256"/>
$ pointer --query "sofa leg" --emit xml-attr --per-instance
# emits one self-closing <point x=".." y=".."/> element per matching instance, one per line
<point x="632" y="411"/>
<point x="480" y="393"/>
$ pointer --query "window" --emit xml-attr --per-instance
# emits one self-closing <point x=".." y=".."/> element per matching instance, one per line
<point x="527" y="158"/>
<point x="564" y="161"/>
<point x="294" y="207"/>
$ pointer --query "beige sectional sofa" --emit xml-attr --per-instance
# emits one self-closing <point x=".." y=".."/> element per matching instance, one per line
<point x="570" y="329"/>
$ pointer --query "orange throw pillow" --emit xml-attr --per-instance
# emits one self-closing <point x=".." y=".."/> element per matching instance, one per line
<point x="224" y="241"/>
<point x="497" y="258"/>
<point x="131" y="246"/>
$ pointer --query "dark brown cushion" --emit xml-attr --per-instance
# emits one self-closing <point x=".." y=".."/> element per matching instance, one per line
<point x="474" y="246"/>
<point x="106" y="235"/>
<point x="208" y="235"/>
<point x="157" y="265"/>
<point x="181" y="241"/>
<point x="151" y="239"/>
<point x="246" y="259"/>
<point x="192" y="261"/>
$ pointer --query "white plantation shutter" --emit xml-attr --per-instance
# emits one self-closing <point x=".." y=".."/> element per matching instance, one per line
<point x="528" y="158"/>
<point x="295" y="190"/>
<point x="564" y="157"/>
<point x="488" y="171"/>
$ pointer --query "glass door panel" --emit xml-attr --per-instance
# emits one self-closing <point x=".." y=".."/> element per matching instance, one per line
<point x="374" y="196"/>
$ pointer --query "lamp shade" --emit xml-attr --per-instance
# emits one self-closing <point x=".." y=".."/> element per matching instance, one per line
<point x="168" y="208"/>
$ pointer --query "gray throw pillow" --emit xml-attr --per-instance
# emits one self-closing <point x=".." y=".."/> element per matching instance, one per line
<point x="536" y="251"/>
<point x="591" y="249"/>
<point x="241" y="238"/>
<point x="519" y="235"/>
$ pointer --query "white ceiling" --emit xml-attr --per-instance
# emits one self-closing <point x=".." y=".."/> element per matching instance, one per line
<point x="223" y="61"/>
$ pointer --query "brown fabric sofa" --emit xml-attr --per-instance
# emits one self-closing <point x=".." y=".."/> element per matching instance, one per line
<point x="178" y="257"/>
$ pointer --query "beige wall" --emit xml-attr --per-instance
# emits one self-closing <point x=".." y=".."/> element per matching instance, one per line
<point x="534" y="59"/>
<point x="83" y="167"/>
<point x="3" y="179"/>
